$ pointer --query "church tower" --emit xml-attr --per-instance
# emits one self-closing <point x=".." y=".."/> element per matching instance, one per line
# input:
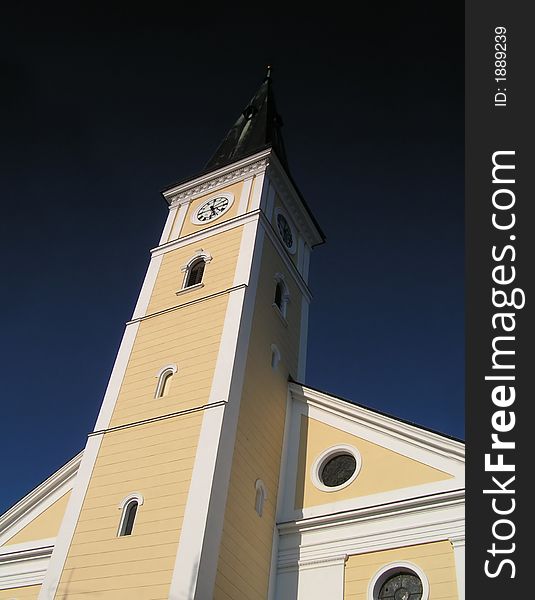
<point x="177" y="491"/>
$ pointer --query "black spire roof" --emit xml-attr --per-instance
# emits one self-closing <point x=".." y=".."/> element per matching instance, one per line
<point x="258" y="127"/>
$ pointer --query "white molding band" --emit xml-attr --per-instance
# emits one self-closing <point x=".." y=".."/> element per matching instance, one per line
<point x="168" y="225"/>
<point x="25" y="564"/>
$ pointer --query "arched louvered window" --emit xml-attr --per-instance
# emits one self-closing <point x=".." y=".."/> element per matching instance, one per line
<point x="129" y="508"/>
<point x="282" y="294"/>
<point x="195" y="273"/>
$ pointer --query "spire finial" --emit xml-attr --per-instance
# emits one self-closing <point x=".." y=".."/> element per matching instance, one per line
<point x="268" y="74"/>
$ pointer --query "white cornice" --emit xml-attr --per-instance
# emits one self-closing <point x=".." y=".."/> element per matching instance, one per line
<point x="452" y="498"/>
<point x="38" y="499"/>
<point x="413" y="434"/>
<point x="406" y="524"/>
<point x="184" y="192"/>
<point x="24" y="564"/>
<point x="293" y="203"/>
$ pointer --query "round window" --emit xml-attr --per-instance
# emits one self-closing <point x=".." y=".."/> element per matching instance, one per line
<point x="401" y="586"/>
<point x="337" y="470"/>
<point x="336" y="467"/>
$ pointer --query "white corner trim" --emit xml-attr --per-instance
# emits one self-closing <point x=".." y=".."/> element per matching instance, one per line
<point x="179" y="222"/>
<point x="258" y="192"/>
<point x="229" y="196"/>
<point x="458" y="543"/>
<point x="196" y="561"/>
<point x="168" y="225"/>
<point x="244" y="196"/>
<point x="74" y="507"/>
<point x="323" y="458"/>
<point x="145" y="294"/>
<point x="391" y="569"/>
<point x="303" y="340"/>
<point x="38" y="500"/>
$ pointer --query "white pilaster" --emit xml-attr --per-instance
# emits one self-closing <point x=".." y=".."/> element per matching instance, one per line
<point x="196" y="562"/>
<point x="458" y="544"/>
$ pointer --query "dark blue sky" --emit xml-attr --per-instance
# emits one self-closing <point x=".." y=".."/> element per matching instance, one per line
<point x="100" y="114"/>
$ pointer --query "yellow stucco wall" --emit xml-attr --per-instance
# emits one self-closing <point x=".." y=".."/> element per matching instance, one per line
<point x="154" y="459"/>
<point x="436" y="560"/>
<point x="218" y="275"/>
<point x="245" y="552"/>
<point x="46" y="525"/>
<point x="189" y="227"/>
<point x="382" y="469"/>
<point x="28" y="592"/>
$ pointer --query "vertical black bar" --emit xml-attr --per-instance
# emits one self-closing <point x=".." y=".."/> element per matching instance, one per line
<point x="499" y="122"/>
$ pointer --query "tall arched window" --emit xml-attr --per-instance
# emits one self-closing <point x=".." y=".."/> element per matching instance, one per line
<point x="129" y="508"/>
<point x="194" y="270"/>
<point x="164" y="375"/>
<point x="281" y="295"/>
<point x="195" y="273"/>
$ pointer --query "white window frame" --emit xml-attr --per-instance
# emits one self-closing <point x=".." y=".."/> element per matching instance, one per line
<point x="162" y="375"/>
<point x="199" y="254"/>
<point x="324" y="457"/>
<point x="392" y="569"/>
<point x="124" y="505"/>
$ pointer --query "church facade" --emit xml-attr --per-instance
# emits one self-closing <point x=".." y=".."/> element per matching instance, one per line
<point x="213" y="471"/>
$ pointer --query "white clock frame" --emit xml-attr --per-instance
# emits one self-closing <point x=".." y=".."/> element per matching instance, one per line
<point x="227" y="195"/>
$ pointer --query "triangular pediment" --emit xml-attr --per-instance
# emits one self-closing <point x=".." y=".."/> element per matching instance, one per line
<point x="394" y="461"/>
<point x="38" y="515"/>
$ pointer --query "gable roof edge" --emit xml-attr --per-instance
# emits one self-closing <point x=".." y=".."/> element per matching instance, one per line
<point x="58" y="479"/>
<point x="414" y="434"/>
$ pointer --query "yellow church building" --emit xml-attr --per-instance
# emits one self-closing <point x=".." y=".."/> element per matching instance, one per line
<point x="213" y="471"/>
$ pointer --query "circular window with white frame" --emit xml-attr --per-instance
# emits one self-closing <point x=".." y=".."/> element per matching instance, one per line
<point x="336" y="468"/>
<point x="213" y="208"/>
<point x="399" y="581"/>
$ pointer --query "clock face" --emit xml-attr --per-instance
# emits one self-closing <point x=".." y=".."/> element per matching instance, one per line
<point x="212" y="209"/>
<point x="285" y="231"/>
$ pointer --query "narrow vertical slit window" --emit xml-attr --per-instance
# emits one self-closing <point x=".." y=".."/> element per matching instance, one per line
<point x="260" y="497"/>
<point x="129" y="508"/>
